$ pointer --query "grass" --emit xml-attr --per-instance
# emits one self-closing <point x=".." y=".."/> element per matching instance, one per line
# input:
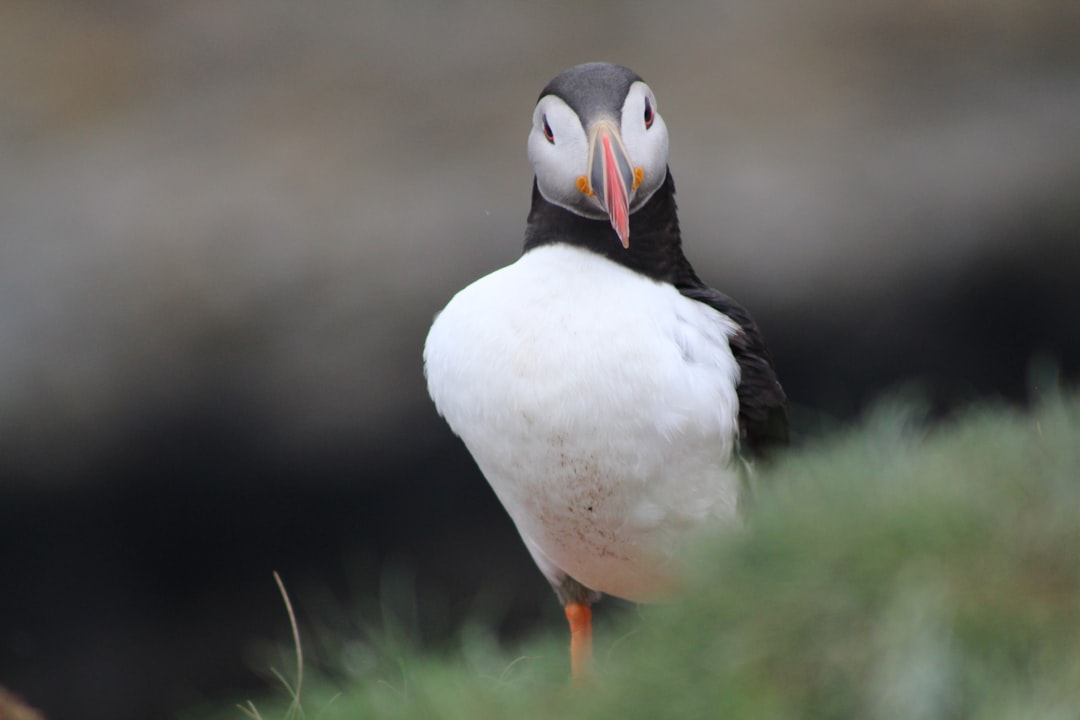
<point x="295" y="709"/>
<point x="893" y="572"/>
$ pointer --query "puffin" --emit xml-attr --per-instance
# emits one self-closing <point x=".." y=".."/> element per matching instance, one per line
<point x="613" y="401"/>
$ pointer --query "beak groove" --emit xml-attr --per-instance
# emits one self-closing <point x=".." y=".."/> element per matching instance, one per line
<point x="612" y="177"/>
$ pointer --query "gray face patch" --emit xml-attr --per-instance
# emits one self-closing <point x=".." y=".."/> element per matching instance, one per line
<point x="593" y="90"/>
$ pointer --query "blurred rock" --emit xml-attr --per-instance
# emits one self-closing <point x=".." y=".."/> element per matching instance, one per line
<point x="13" y="708"/>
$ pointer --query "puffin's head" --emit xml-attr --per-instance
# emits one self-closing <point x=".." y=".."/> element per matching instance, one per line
<point x="598" y="146"/>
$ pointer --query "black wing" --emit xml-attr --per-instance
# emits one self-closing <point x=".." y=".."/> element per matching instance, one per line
<point x="763" y="416"/>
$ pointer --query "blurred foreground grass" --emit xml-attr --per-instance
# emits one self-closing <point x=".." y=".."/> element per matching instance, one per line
<point x="893" y="572"/>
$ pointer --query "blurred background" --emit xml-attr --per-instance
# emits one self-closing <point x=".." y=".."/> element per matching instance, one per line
<point x="225" y="228"/>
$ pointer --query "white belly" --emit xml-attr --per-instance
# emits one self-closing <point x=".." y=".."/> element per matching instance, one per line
<point x="601" y="407"/>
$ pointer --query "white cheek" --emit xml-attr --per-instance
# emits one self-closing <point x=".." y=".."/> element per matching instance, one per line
<point x="648" y="148"/>
<point x="558" y="165"/>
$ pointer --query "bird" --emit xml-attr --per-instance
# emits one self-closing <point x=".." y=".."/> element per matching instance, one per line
<point x="612" y="400"/>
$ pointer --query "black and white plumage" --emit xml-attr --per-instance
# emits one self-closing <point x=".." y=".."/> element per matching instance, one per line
<point x="605" y="392"/>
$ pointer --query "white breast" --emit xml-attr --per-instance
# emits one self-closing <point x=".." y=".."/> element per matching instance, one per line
<point x="601" y="407"/>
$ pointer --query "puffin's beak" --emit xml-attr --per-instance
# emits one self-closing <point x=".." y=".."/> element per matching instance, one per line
<point x="611" y="177"/>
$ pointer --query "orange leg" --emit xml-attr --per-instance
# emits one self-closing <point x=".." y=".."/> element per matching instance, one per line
<point x="579" y="616"/>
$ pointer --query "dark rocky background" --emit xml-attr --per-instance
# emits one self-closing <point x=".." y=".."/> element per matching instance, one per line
<point x="224" y="228"/>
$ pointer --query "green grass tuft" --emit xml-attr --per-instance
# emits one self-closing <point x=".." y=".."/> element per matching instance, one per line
<point x="889" y="573"/>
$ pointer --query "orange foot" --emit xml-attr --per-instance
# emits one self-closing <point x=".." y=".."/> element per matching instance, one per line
<point x="579" y="616"/>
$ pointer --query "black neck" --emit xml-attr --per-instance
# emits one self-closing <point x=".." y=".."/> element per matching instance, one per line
<point x="655" y="243"/>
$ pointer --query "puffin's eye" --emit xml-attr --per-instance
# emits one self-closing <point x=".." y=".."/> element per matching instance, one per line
<point x="547" y="131"/>
<point x="649" y="115"/>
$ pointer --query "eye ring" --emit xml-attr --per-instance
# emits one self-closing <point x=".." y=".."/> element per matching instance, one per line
<point x="547" y="130"/>
<point x="650" y="115"/>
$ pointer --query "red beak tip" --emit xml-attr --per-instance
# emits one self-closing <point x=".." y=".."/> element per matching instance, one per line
<point x="616" y="200"/>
